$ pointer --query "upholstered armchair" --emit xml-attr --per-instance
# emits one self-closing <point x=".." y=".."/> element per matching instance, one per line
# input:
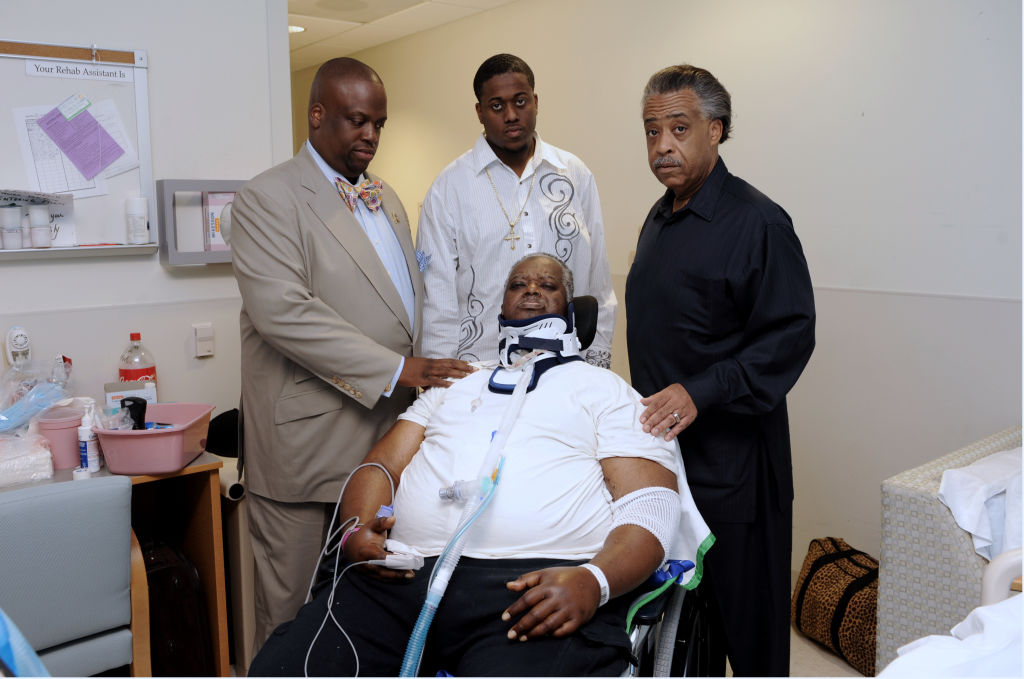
<point x="73" y="579"/>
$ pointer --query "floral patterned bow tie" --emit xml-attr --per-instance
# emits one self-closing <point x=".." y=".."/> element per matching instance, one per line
<point x="369" y="192"/>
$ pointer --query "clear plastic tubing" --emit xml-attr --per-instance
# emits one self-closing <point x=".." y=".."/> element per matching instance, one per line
<point x="475" y="505"/>
<point x="461" y="491"/>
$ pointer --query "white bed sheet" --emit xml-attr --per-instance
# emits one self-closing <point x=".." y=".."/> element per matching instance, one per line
<point x="986" y="644"/>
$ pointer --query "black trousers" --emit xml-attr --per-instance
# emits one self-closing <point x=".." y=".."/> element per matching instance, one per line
<point x="467" y="637"/>
<point x="747" y="586"/>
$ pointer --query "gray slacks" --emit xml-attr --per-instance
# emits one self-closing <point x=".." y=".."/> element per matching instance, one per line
<point x="286" y="541"/>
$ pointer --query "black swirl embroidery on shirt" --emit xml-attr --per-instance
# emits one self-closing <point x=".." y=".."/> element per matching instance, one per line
<point x="470" y="328"/>
<point x="564" y="223"/>
<point x="598" y="357"/>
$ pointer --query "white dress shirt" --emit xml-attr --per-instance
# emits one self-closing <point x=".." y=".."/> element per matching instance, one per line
<point x="466" y="236"/>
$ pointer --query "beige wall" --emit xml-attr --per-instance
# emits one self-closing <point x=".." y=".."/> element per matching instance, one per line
<point x="301" y="82"/>
<point x="896" y="380"/>
<point x="837" y="117"/>
<point x="861" y="119"/>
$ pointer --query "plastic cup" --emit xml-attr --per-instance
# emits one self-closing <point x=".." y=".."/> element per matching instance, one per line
<point x="10" y="222"/>
<point x="41" y="236"/>
<point x="60" y="427"/>
<point x="39" y="215"/>
<point x="11" y="239"/>
<point x="10" y="217"/>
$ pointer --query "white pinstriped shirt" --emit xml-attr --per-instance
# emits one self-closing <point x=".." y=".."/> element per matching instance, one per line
<point x="464" y="233"/>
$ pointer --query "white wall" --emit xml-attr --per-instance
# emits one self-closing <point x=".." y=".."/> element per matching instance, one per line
<point x="219" y="109"/>
<point x="890" y="130"/>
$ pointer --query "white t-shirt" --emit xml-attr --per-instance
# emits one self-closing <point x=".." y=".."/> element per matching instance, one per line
<point x="551" y="500"/>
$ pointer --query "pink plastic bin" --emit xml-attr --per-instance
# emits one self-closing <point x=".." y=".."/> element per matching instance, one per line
<point x="158" y="451"/>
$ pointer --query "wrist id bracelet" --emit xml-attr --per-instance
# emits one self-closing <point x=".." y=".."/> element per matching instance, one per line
<point x="350" y="531"/>
<point x="602" y="581"/>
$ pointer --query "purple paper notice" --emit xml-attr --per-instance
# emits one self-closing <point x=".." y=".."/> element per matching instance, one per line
<point x="83" y="140"/>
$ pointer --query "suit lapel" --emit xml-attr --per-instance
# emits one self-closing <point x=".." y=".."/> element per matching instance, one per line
<point x="331" y="210"/>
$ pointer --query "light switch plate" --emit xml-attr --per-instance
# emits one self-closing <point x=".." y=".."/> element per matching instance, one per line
<point x="202" y="339"/>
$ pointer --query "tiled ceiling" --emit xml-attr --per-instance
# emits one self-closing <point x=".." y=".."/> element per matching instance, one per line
<point x="335" y="28"/>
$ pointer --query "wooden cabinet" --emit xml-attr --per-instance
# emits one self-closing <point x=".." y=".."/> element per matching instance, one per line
<point x="183" y="508"/>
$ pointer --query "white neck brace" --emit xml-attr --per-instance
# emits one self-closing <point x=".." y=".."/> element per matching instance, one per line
<point x="520" y="342"/>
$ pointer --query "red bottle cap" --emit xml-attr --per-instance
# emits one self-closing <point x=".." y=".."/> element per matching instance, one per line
<point x="135" y="336"/>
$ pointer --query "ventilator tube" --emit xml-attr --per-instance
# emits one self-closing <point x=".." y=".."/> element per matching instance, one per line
<point x="474" y="507"/>
<point x="461" y="491"/>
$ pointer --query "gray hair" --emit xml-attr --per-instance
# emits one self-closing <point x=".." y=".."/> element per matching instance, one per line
<point x="566" y="272"/>
<point x="715" y="102"/>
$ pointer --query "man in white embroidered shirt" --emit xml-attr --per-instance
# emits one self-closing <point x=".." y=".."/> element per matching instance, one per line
<point x="584" y="507"/>
<point x="510" y="195"/>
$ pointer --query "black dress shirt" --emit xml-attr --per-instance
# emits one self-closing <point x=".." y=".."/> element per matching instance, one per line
<point x="719" y="300"/>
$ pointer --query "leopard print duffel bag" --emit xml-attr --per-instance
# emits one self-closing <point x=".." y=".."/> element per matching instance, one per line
<point x="835" y="601"/>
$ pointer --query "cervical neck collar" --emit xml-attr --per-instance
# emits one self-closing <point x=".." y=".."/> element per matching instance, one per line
<point x="545" y="341"/>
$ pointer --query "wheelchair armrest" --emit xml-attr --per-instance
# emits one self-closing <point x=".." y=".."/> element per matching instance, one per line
<point x="650" y="613"/>
<point x="654" y="595"/>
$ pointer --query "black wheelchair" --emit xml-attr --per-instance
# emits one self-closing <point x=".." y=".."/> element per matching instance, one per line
<point x="671" y="634"/>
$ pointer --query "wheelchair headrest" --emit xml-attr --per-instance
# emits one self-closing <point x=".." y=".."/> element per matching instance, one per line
<point x="585" y="319"/>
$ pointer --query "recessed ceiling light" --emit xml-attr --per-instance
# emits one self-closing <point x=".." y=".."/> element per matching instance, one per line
<point x="296" y="29"/>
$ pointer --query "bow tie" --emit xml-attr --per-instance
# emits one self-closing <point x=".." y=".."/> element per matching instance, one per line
<point x="369" y="192"/>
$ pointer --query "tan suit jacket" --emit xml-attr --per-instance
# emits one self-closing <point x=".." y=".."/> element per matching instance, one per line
<point x="323" y="330"/>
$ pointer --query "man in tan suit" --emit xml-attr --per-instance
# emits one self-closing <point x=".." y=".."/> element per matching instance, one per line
<point x="331" y="304"/>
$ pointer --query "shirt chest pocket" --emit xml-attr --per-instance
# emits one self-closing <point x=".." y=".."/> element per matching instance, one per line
<point x="705" y="306"/>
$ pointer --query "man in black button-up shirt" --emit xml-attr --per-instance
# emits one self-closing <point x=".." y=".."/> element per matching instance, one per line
<point x="720" y="324"/>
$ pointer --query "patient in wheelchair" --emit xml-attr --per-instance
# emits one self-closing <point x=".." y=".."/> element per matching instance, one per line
<point x="570" y="507"/>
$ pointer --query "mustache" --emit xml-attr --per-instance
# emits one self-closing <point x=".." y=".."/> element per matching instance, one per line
<point x="666" y="161"/>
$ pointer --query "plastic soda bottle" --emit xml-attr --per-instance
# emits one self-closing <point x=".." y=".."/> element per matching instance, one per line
<point x="136" y="362"/>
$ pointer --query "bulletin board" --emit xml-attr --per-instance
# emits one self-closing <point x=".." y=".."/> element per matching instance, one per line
<point x="108" y="85"/>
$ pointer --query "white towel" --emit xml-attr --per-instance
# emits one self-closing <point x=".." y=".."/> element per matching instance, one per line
<point x="693" y="537"/>
<point x="985" y="499"/>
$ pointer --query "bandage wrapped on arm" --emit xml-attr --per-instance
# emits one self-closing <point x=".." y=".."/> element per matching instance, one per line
<point x="655" y="509"/>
